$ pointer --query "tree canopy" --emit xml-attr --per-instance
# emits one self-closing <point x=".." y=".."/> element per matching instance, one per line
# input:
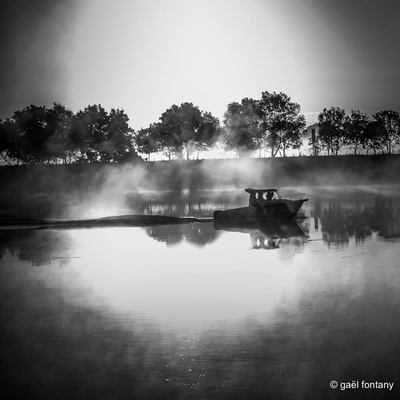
<point x="336" y="130"/>
<point x="274" y="122"/>
<point x="242" y="131"/>
<point x="331" y="129"/>
<point x="40" y="135"/>
<point x="355" y="126"/>
<point x="390" y="120"/>
<point x="181" y="131"/>
<point x="281" y="121"/>
<point x="375" y="135"/>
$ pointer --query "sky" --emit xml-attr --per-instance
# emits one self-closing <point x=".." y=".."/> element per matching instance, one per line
<point x="143" y="56"/>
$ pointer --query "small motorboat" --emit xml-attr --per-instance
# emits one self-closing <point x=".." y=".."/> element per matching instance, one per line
<point x="264" y="204"/>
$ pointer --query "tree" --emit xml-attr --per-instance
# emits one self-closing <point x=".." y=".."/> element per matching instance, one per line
<point x="10" y="143"/>
<point x="184" y="129"/>
<point x="241" y="124"/>
<point x="146" y="140"/>
<point x="59" y="145"/>
<point x="33" y="134"/>
<point x="375" y="136"/>
<point x="331" y="133"/>
<point x="209" y="132"/>
<point x="389" y="119"/>
<point x="355" y="125"/>
<point x="118" y="145"/>
<point x="280" y="121"/>
<point x="102" y="137"/>
<point x="36" y="135"/>
<point x="80" y="135"/>
<point x="88" y="131"/>
<point x="292" y="136"/>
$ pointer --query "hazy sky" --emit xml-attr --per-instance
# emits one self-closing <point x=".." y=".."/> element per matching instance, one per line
<point x="146" y="55"/>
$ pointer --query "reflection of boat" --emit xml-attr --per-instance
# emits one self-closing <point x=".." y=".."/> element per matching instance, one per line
<point x="264" y="203"/>
<point x="265" y="234"/>
<point x="274" y="228"/>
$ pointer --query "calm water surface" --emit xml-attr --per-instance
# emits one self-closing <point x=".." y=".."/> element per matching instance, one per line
<point x="200" y="311"/>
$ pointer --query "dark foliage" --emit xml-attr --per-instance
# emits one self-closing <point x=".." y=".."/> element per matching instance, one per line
<point x="37" y="135"/>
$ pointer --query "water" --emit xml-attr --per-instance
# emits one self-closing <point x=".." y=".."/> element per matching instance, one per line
<point x="196" y="311"/>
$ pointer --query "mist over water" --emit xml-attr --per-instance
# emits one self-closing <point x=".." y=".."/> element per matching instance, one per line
<point x="89" y="191"/>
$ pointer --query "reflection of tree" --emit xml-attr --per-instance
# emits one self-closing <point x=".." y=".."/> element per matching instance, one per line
<point x="35" y="246"/>
<point x="385" y="220"/>
<point x="342" y="220"/>
<point x="198" y="234"/>
<point x="176" y="208"/>
<point x="178" y="203"/>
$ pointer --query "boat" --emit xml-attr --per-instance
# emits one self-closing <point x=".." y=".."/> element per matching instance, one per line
<point x="264" y="204"/>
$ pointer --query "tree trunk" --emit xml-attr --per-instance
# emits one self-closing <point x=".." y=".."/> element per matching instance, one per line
<point x="272" y="151"/>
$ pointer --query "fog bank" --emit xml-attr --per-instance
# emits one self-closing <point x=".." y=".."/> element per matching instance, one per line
<point x="87" y="187"/>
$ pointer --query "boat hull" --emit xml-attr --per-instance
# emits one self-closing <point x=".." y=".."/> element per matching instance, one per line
<point x="264" y="210"/>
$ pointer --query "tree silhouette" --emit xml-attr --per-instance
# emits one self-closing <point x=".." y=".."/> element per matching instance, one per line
<point x="281" y="121"/>
<point x="10" y="146"/>
<point x="331" y="129"/>
<point x="32" y="134"/>
<point x="241" y="124"/>
<point x="146" y="140"/>
<point x="184" y="129"/>
<point x="375" y="135"/>
<point x="390" y="120"/>
<point x="59" y="145"/>
<point x="101" y="137"/>
<point x="355" y="125"/>
<point x="118" y="145"/>
<point x="273" y="122"/>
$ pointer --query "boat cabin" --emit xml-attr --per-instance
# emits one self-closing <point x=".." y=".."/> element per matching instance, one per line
<point x="261" y="195"/>
<point x="264" y="203"/>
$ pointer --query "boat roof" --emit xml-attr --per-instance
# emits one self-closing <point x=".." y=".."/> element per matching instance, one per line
<point x="251" y="190"/>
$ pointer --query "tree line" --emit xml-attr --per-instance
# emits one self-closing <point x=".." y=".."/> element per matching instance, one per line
<point x="356" y="131"/>
<point x="272" y="123"/>
<point x="37" y="135"/>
